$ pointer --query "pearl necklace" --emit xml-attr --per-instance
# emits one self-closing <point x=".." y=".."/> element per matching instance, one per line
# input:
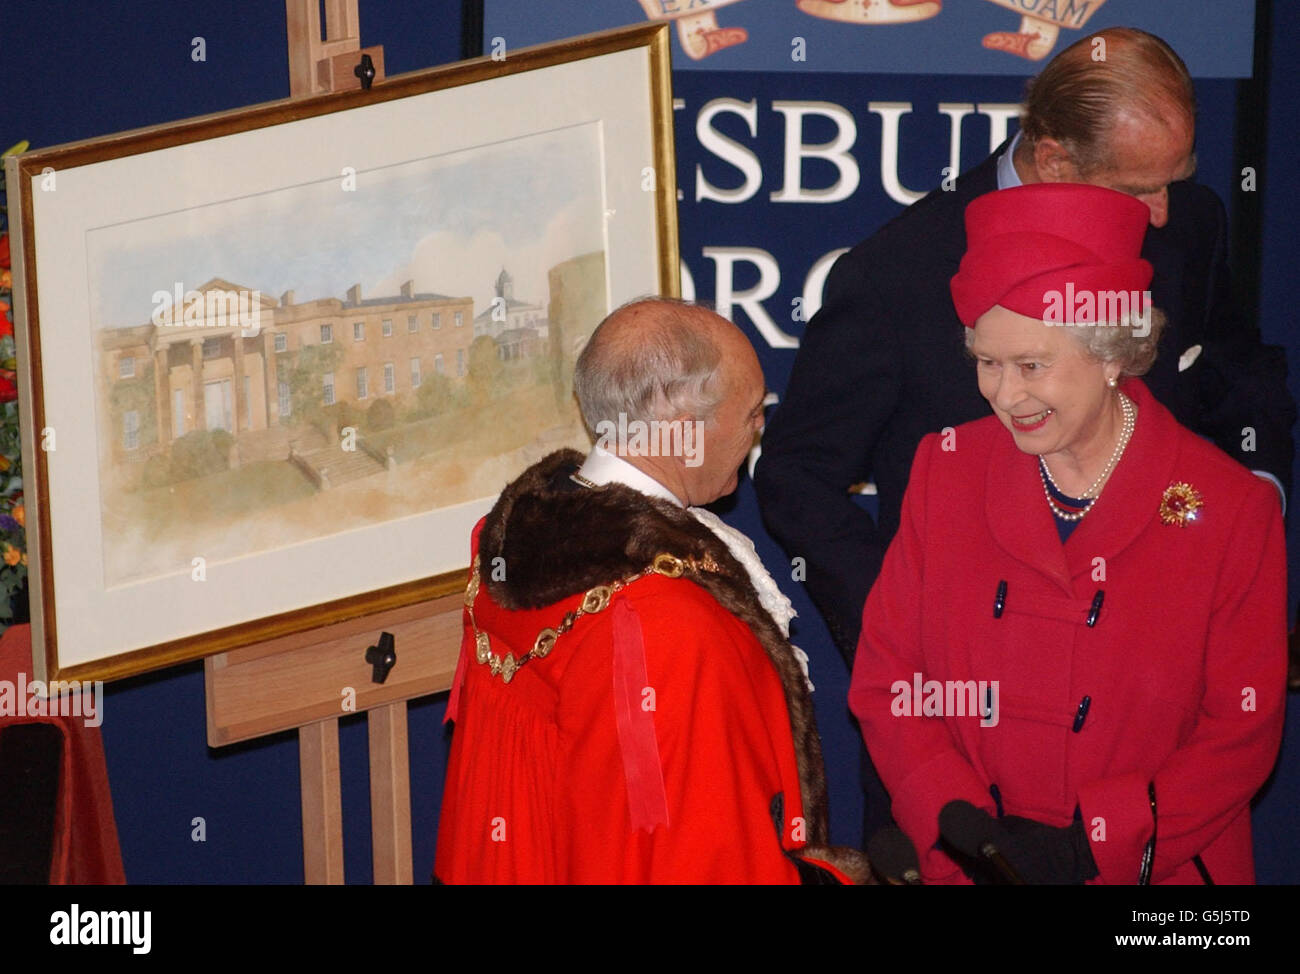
<point x="1094" y="490"/>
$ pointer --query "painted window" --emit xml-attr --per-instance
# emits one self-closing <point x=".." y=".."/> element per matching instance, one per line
<point x="131" y="429"/>
<point x="178" y="413"/>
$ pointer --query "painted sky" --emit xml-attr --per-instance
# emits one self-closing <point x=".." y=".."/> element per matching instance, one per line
<point x="447" y="222"/>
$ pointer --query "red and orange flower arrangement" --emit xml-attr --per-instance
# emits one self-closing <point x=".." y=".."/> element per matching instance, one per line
<point x="13" y="519"/>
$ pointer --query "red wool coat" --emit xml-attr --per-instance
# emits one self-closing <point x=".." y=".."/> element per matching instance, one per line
<point x="659" y="765"/>
<point x="1184" y="667"/>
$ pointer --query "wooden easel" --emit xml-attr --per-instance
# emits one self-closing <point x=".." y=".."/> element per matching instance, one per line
<point x="308" y="680"/>
<point x="318" y="65"/>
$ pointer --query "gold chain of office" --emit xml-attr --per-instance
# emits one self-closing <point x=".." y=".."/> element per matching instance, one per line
<point x="595" y="599"/>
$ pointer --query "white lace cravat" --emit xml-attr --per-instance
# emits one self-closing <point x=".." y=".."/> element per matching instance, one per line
<point x="771" y="597"/>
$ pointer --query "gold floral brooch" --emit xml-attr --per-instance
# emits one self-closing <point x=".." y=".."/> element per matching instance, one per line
<point x="1181" y="504"/>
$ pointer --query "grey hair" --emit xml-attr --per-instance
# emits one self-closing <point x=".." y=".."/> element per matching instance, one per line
<point x="1124" y="343"/>
<point x="1131" y="343"/>
<point x="671" y="371"/>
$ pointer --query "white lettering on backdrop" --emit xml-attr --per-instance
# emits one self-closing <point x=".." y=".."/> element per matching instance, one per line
<point x="838" y="151"/>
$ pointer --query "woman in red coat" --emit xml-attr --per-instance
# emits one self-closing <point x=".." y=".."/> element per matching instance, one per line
<point x="1079" y="628"/>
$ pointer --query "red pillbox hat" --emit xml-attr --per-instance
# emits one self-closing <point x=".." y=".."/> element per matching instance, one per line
<point x="1036" y="249"/>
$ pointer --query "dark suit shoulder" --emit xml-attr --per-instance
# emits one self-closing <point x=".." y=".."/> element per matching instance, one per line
<point x="937" y="220"/>
<point x="1195" y="197"/>
<point x="1196" y="216"/>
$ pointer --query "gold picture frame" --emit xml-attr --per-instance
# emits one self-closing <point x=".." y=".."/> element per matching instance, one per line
<point x="101" y="228"/>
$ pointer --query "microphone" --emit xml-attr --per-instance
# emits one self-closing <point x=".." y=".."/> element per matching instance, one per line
<point x="972" y="832"/>
<point x="894" y="857"/>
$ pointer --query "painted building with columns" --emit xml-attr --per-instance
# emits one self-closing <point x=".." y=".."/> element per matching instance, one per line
<point x="206" y="370"/>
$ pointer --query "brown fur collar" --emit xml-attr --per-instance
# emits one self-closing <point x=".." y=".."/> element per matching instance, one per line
<point x="558" y="542"/>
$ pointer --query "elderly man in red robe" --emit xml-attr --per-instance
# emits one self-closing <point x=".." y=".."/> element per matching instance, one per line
<point x="627" y="706"/>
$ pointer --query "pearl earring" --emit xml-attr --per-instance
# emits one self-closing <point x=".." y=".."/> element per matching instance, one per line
<point x="1111" y="382"/>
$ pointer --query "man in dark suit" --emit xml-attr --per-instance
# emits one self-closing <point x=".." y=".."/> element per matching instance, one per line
<point x="883" y="362"/>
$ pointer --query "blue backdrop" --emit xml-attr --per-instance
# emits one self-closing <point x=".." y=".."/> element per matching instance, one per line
<point x="77" y="70"/>
<point x="1213" y="36"/>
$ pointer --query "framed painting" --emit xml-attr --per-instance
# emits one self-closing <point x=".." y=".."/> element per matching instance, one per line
<point x="275" y="363"/>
